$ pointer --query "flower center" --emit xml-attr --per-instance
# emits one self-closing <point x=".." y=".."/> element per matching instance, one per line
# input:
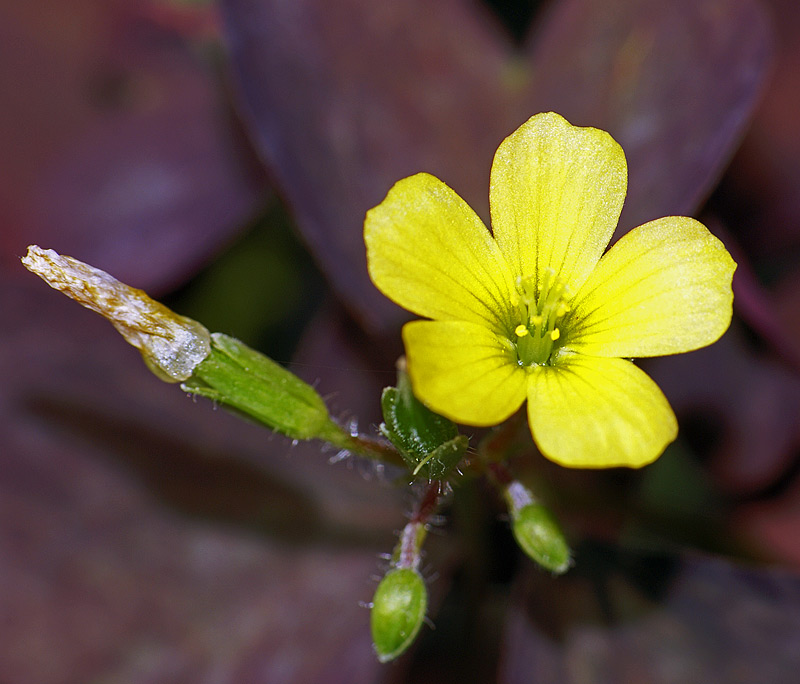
<point x="540" y="307"/>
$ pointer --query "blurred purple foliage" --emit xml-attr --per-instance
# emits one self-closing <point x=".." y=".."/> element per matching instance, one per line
<point x="653" y="618"/>
<point x="146" y="538"/>
<point x="383" y="94"/>
<point x="119" y="143"/>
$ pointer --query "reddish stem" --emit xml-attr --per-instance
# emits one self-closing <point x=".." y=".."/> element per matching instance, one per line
<point x="409" y="546"/>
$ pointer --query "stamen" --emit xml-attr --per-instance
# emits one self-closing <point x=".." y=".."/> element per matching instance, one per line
<point x="540" y="304"/>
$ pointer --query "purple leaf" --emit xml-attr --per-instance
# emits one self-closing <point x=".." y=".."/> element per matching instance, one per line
<point x="630" y="617"/>
<point x="152" y="193"/>
<point x="754" y="401"/>
<point x="770" y="525"/>
<point x="117" y="145"/>
<point x="675" y="83"/>
<point x="343" y="99"/>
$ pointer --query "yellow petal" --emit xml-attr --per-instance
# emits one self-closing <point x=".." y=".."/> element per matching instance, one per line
<point x="431" y="254"/>
<point x="463" y="371"/>
<point x="663" y="288"/>
<point x="593" y="412"/>
<point x="556" y="194"/>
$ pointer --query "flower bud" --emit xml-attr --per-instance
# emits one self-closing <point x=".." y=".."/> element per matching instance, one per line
<point x="398" y="610"/>
<point x="429" y="443"/>
<point x="539" y="535"/>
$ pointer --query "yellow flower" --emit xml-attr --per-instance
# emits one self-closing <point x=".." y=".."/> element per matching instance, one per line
<point x="536" y="310"/>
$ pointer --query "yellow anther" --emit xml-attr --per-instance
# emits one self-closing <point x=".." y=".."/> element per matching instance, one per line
<point x="540" y="304"/>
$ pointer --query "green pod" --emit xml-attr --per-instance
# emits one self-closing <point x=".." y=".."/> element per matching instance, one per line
<point x="398" y="611"/>
<point x="245" y="380"/>
<point x="539" y="535"/>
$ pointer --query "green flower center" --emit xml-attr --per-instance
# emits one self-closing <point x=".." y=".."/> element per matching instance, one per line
<point x="541" y="306"/>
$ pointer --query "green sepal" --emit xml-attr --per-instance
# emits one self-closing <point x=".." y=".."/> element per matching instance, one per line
<point x="429" y="443"/>
<point x="245" y="380"/>
<point x="398" y="611"/>
<point x="539" y="535"/>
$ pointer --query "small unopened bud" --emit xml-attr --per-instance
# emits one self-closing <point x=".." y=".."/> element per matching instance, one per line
<point x="171" y="345"/>
<point x="537" y="531"/>
<point x="429" y="443"/>
<point x="398" y="611"/>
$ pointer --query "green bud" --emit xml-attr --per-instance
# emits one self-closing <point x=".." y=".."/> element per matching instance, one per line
<point x="540" y="537"/>
<point x="398" y="610"/>
<point x="429" y="443"/>
<point x="245" y="380"/>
